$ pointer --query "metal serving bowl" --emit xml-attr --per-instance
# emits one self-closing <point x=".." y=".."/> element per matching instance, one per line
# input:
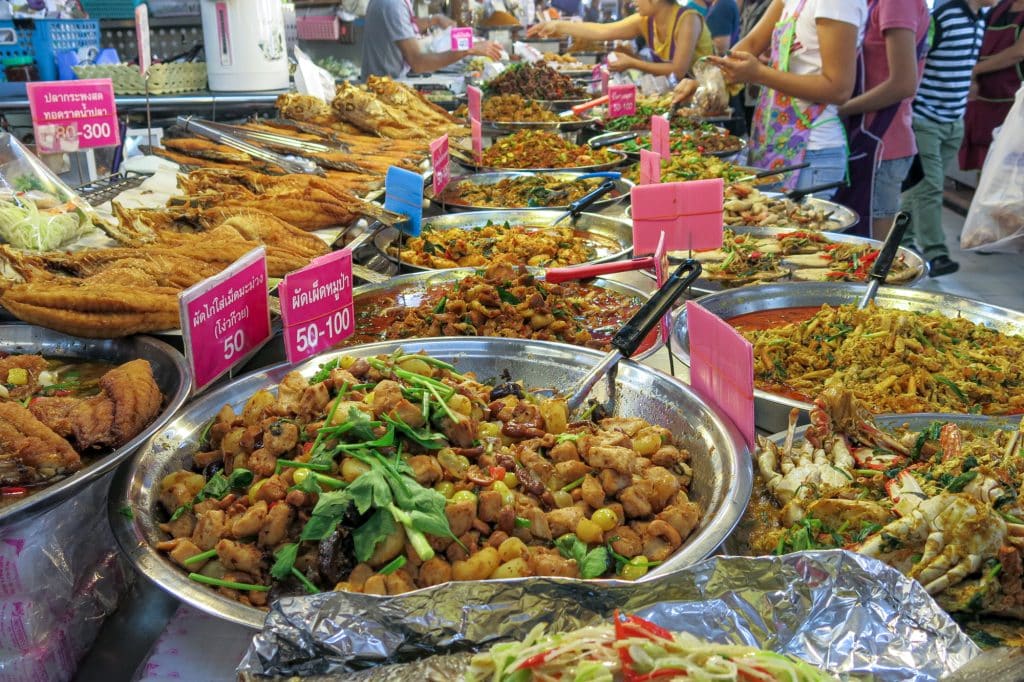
<point x="771" y="410"/>
<point x="841" y="218"/>
<point x="604" y="228"/>
<point x="621" y="192"/>
<point x="567" y="124"/>
<point x="468" y="163"/>
<point x="722" y="473"/>
<point x="635" y="156"/>
<point x="169" y="371"/>
<point x="408" y="290"/>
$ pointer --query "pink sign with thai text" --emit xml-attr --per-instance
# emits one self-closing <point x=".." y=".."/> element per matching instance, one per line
<point x="473" y="100"/>
<point x="142" y="42"/>
<point x="462" y="38"/>
<point x="722" y="367"/>
<point x="316" y="305"/>
<point x="477" y="132"/>
<point x="225" y="318"/>
<point x="621" y="100"/>
<point x="690" y="214"/>
<point x="441" y="161"/>
<point x="71" y="115"/>
<point x="650" y="167"/>
<point x="660" y="137"/>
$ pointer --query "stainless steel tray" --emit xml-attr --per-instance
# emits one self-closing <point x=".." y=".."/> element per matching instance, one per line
<point x="410" y="288"/>
<point x="567" y="125"/>
<point x="722" y="472"/>
<point x="772" y="411"/>
<point x="842" y="218"/>
<point x="635" y="156"/>
<point x="622" y="188"/>
<point x="616" y="230"/>
<point x="169" y="371"/>
<point x="620" y="158"/>
<point x="911" y="258"/>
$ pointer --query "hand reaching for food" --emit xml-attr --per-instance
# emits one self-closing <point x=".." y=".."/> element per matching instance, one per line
<point x="486" y="48"/>
<point x="684" y="91"/>
<point x="618" y="61"/>
<point x="547" y="29"/>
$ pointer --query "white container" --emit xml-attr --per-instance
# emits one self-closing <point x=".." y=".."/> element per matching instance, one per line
<point x="245" y="45"/>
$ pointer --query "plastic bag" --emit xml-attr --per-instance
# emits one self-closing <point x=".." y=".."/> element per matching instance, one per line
<point x="995" y="220"/>
<point x="712" y="96"/>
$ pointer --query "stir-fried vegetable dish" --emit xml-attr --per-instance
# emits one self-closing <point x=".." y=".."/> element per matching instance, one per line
<point x="942" y="503"/>
<point x="500" y="301"/>
<point x="631" y="649"/>
<point x="512" y="109"/>
<point x="893" y="360"/>
<point x="527" y="191"/>
<point x="746" y="205"/>
<point x="705" y="140"/>
<point x="542" y="149"/>
<point x="799" y="255"/>
<point x="512" y="244"/>
<point x="695" y="166"/>
<point x="534" y="81"/>
<point x="390" y="473"/>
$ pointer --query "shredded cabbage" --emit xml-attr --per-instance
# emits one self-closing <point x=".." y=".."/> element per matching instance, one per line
<point x="24" y="226"/>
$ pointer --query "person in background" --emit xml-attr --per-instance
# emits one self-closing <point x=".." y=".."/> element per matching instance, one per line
<point x="724" y="24"/>
<point x="811" y="72"/>
<point x="751" y="13"/>
<point x="391" y="44"/>
<point x="895" y="44"/>
<point x="568" y="8"/>
<point x="957" y="32"/>
<point x="677" y="36"/>
<point x="997" y="76"/>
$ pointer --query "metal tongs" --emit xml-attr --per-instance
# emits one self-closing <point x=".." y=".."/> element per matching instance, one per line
<point x="768" y="172"/>
<point x="616" y="139"/>
<point x="880" y="269"/>
<point x="583" y="203"/>
<point x="632" y="334"/>
<point x="262" y="136"/>
<point x="800" y="193"/>
<point x="289" y="164"/>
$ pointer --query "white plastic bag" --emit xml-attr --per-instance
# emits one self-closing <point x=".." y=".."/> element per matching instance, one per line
<point x="995" y="221"/>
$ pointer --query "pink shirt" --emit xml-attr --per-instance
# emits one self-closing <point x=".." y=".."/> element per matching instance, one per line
<point x="898" y="141"/>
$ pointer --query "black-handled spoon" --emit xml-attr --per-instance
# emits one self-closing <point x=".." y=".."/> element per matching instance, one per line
<point x="798" y="194"/>
<point x="880" y="269"/>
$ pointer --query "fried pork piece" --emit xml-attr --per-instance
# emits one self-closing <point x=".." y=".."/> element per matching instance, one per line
<point x="130" y="399"/>
<point x="30" y="451"/>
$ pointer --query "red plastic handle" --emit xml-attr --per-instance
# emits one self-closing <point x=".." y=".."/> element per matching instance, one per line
<point x="580" y="108"/>
<point x="556" y="275"/>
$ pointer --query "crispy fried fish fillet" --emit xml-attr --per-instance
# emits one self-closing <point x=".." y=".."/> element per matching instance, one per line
<point x="206" y="149"/>
<point x="364" y="110"/>
<point x="30" y="451"/>
<point x="419" y="111"/>
<point x="129" y="401"/>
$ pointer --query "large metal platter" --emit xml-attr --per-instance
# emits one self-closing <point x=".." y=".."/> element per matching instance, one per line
<point x="622" y="189"/>
<point x="912" y="259"/>
<point x="565" y="125"/>
<point x="771" y="410"/>
<point x="615" y="230"/>
<point x="722" y="472"/>
<point x="841" y="218"/>
<point x="409" y="289"/>
<point x="635" y="156"/>
<point x="620" y="158"/>
<point x="169" y="370"/>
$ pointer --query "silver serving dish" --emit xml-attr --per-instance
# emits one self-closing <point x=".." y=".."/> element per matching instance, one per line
<point x="916" y="263"/>
<point x="635" y="156"/>
<point x="722" y="473"/>
<point x="566" y="125"/>
<point x="467" y="162"/>
<point x="409" y="289"/>
<point x="841" y="218"/>
<point x="617" y="232"/>
<point x="621" y="192"/>
<point x="771" y="410"/>
<point x="169" y="371"/>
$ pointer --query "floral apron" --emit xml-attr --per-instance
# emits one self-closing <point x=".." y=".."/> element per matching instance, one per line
<point x="782" y="127"/>
<point x="995" y="90"/>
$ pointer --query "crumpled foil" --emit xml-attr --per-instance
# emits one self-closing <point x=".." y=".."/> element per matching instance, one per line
<point x="846" y="613"/>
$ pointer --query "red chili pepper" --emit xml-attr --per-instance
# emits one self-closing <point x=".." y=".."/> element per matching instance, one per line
<point x="13" y="490"/>
<point x="647" y="628"/>
<point x="497" y="473"/>
<point x="756" y="255"/>
<point x="306" y="447"/>
<point x="535" y="661"/>
<point x="661" y="674"/>
<point x="60" y="393"/>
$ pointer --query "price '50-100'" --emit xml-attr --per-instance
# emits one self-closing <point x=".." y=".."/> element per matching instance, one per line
<point x="308" y="337"/>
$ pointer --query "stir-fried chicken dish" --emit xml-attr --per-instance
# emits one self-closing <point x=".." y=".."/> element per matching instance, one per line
<point x="527" y="191"/>
<point x="386" y="474"/>
<point x="511" y="244"/>
<point x="942" y="505"/>
<point x="892" y="360"/>
<point x="501" y="301"/>
<point x="53" y="414"/>
<point x="543" y="149"/>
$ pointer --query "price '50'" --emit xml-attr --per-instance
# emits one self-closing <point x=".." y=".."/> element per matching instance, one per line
<point x="234" y="344"/>
<point x="331" y="326"/>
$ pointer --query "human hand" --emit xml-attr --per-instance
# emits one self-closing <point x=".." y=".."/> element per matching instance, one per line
<point x="545" y="29"/>
<point x="441" y="21"/>
<point x="972" y="91"/>
<point x="620" y="62"/>
<point x="684" y="91"/>
<point x="486" y="48"/>
<point x="738" y="67"/>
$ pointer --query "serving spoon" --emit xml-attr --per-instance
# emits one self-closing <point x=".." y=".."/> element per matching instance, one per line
<point x="882" y="264"/>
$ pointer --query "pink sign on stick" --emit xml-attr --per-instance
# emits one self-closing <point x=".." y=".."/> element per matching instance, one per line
<point x="316" y="305"/>
<point x="621" y="100"/>
<point x="462" y="38"/>
<point x="660" y="137"/>
<point x="476" y="129"/>
<point x="722" y="367"/>
<point x="225" y="318"/>
<point x="690" y="214"/>
<point x="474" y="96"/>
<point x="442" y="164"/>
<point x="650" y="167"/>
<point x="71" y="115"/>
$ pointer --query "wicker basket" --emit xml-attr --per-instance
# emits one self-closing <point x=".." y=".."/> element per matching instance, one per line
<point x="164" y="79"/>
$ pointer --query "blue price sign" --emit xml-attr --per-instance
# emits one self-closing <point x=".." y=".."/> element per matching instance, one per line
<point x="404" y="195"/>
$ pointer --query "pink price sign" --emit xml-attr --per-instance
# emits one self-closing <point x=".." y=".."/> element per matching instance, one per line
<point x="621" y="100"/>
<point x="660" y="137"/>
<point x="650" y="167"/>
<point x="71" y="115"/>
<point x="689" y="213"/>
<point x="476" y="130"/>
<point x="441" y="161"/>
<point x="225" y="318"/>
<point x="316" y="305"/>
<point x="474" y="96"/>
<point x="462" y="38"/>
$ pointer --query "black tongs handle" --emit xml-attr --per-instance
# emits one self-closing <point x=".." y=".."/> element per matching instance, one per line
<point x="768" y="172"/>
<point x="607" y="142"/>
<point x="633" y="332"/>
<point x="585" y="202"/>
<point x="880" y="269"/>
<point x="800" y="193"/>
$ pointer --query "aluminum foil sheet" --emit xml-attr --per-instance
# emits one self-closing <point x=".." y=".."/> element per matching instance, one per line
<point x="846" y="613"/>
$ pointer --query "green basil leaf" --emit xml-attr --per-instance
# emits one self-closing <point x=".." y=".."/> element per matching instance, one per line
<point x="286" y="557"/>
<point x="367" y="536"/>
<point x="595" y="563"/>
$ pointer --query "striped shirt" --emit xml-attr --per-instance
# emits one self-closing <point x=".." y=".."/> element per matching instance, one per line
<point x="958" y="32"/>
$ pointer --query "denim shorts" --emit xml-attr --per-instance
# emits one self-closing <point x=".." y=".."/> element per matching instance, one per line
<point x="889" y="179"/>
<point x="826" y="165"/>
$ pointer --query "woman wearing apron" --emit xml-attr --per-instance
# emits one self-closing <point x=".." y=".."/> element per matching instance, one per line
<point x="676" y="35"/>
<point x="997" y="76"/>
<point x="811" y="71"/>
